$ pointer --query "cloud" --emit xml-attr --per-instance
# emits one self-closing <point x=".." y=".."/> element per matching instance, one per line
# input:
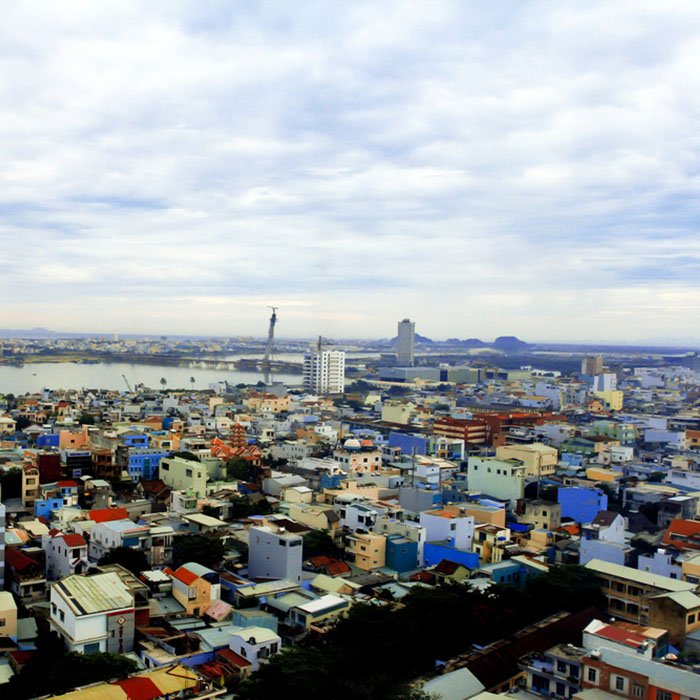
<point x="485" y="169"/>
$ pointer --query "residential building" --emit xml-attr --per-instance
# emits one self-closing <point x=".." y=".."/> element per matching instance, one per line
<point x="8" y="615"/>
<point x="195" y="587"/>
<point x="628" y="590"/>
<point x="447" y="526"/>
<point x="367" y="549"/>
<point x="503" y="479"/>
<point x="541" y="460"/>
<point x="581" y="504"/>
<point x="324" y="372"/>
<point x="180" y="473"/>
<point x="605" y="538"/>
<point x="405" y="343"/>
<point x="93" y="613"/>
<point x="556" y="673"/>
<point x="106" y="536"/>
<point x="255" y="644"/>
<point x="66" y="554"/>
<point x="274" y="553"/>
<point x="541" y="514"/>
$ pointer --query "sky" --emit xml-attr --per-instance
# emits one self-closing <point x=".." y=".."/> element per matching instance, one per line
<point x="484" y="168"/>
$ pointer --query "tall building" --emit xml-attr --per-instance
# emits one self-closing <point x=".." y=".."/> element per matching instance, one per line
<point x="592" y="365"/>
<point x="274" y="553"/>
<point x="324" y="372"/>
<point x="406" y="343"/>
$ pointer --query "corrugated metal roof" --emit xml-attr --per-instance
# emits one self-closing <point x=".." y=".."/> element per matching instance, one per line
<point x="93" y="594"/>
<point x="663" y="583"/>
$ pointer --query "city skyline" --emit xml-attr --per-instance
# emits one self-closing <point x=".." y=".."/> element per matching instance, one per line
<point x="524" y="170"/>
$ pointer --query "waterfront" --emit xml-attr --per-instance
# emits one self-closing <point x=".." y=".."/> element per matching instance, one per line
<point x="108" y="375"/>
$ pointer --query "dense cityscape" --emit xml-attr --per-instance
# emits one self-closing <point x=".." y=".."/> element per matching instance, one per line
<point x="533" y="531"/>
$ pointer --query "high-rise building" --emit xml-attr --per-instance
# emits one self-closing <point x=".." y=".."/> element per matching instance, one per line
<point x="406" y="343"/>
<point x="592" y="365"/>
<point x="324" y="372"/>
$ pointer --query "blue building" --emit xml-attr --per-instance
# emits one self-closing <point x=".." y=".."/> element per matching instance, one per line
<point x="407" y="443"/>
<point x="435" y="552"/>
<point x="50" y="440"/>
<point x="401" y="553"/>
<point x="143" y="464"/>
<point x="44" y="507"/>
<point x="581" y="504"/>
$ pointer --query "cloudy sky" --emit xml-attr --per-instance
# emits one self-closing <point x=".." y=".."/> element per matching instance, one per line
<point x="486" y="168"/>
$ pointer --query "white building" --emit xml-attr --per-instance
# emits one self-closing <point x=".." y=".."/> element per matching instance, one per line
<point x="255" y="643"/>
<point x="66" y="554"/>
<point x="441" y="525"/>
<point x="503" y="479"/>
<point x="93" y="613"/>
<point x="117" y="533"/>
<point x="354" y="514"/>
<point x="274" y="553"/>
<point x="405" y="344"/>
<point x="324" y="372"/>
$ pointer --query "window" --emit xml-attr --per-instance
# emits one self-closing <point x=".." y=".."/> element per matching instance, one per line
<point x="2" y="622"/>
<point x="691" y="619"/>
<point x="561" y="689"/>
<point x="91" y="648"/>
<point x="62" y="615"/>
<point x="188" y="472"/>
<point x="619" y="683"/>
<point x="663" y="695"/>
<point x="638" y="691"/>
<point x="561" y="667"/>
<point x="592" y="675"/>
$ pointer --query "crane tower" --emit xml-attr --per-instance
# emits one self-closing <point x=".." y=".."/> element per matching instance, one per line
<point x="270" y="336"/>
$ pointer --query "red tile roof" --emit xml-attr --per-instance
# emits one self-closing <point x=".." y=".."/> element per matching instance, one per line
<point x="18" y="560"/>
<point x="106" y="515"/>
<point x="66" y="484"/>
<point x="337" y="568"/>
<point x="187" y="577"/>
<point x="685" y="529"/>
<point x="139" y="688"/>
<point x="74" y="540"/>
<point x="234" y="658"/>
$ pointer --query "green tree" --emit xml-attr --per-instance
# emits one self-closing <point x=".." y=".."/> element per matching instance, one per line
<point x="51" y="670"/>
<point x="657" y="477"/>
<point x="192" y="381"/>
<point x="131" y="559"/>
<point x="238" y="468"/>
<point x="11" y="483"/>
<point x="318" y="542"/>
<point x="22" y="422"/>
<point x="163" y="382"/>
<point x="207" y="551"/>
<point x="86" y="419"/>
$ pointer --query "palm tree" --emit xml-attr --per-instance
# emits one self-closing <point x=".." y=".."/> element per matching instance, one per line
<point x="192" y="381"/>
<point x="163" y="382"/>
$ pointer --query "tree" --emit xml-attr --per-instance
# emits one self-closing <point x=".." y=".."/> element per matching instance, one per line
<point x="22" y="422"/>
<point x="320" y="542"/>
<point x="11" y="483"/>
<point x="656" y="477"/>
<point x="241" y="507"/>
<point x="238" y="468"/>
<point x="163" y="382"/>
<point x="192" y="380"/>
<point x="131" y="559"/>
<point x="86" y="419"/>
<point x="51" y="670"/>
<point x="207" y="551"/>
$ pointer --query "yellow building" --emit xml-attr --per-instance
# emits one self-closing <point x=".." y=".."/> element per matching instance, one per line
<point x="540" y="460"/>
<point x="30" y="485"/>
<point x="8" y="615"/>
<point x="368" y="549"/>
<point x="613" y="400"/>
<point x="192" y="590"/>
<point x="489" y="543"/>
<point x="606" y="475"/>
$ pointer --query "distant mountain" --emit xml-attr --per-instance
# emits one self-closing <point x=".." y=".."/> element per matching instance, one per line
<point x="468" y="343"/>
<point x="509" y="343"/>
<point x="34" y="333"/>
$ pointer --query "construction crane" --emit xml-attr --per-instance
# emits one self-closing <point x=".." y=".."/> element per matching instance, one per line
<point x="322" y="342"/>
<point x="126" y="381"/>
<point x="270" y="336"/>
